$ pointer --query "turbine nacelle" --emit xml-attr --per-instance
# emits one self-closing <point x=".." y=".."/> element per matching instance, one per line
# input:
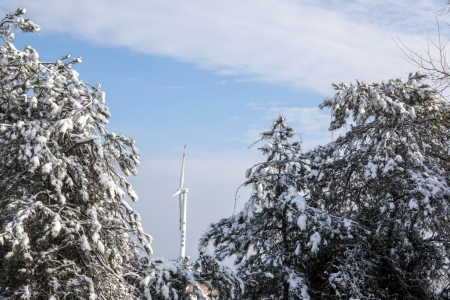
<point x="179" y="191"/>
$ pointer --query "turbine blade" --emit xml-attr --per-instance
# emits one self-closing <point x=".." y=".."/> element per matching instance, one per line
<point x="177" y="193"/>
<point x="182" y="168"/>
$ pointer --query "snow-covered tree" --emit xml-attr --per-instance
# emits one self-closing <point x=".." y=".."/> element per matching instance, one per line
<point x="65" y="223"/>
<point x="163" y="279"/>
<point x="279" y="232"/>
<point x="66" y="229"/>
<point x="218" y="277"/>
<point x="389" y="173"/>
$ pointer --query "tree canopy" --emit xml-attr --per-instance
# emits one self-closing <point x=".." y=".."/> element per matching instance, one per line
<point x="362" y="217"/>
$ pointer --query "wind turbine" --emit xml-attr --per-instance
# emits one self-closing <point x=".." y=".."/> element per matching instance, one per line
<point x="183" y="203"/>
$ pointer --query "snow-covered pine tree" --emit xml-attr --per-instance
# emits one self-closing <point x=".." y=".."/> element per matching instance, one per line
<point x="279" y="232"/>
<point x="389" y="173"/>
<point x="164" y="279"/>
<point x="64" y="221"/>
<point x="218" y="277"/>
<point x="65" y="226"/>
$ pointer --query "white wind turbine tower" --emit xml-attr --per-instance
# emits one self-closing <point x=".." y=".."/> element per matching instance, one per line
<point x="183" y="203"/>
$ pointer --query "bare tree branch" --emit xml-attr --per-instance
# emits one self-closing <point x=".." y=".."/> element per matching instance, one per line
<point x="432" y="59"/>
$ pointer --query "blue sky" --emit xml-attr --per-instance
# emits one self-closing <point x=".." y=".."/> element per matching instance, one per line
<point x="214" y="74"/>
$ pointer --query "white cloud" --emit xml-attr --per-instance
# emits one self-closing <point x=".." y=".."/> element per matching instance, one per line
<point x="254" y="106"/>
<point x="305" y="44"/>
<point x="275" y="103"/>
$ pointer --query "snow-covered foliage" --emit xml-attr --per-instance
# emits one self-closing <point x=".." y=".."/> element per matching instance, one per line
<point x="217" y="277"/>
<point x="389" y="173"/>
<point x="66" y="229"/>
<point x="163" y="279"/>
<point x="279" y="230"/>
<point x="364" y="217"/>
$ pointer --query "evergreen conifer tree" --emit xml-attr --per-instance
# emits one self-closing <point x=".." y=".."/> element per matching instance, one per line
<point x="279" y="230"/>
<point x="389" y="174"/>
